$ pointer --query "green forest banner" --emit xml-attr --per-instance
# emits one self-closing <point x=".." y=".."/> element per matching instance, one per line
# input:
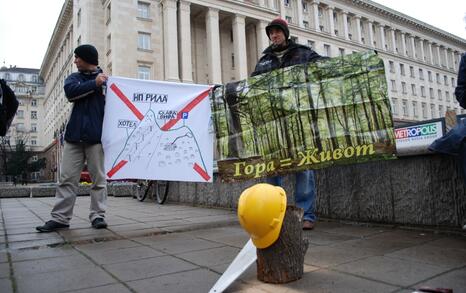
<point x="335" y="111"/>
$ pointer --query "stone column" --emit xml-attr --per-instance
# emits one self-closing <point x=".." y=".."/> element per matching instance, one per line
<point x="393" y="39"/>
<point x="300" y="13"/>
<point x="438" y="55"/>
<point x="453" y="60"/>
<point x="239" y="44"/>
<point x="185" y="35"/>
<point x="170" y="40"/>
<point x="358" y="29"/>
<point x="403" y="43"/>
<point x="371" y="33"/>
<point x="315" y="13"/>
<point x="423" y="54"/>
<point x="331" y="23"/>
<point x="431" y="54"/>
<point x="213" y="46"/>
<point x="282" y="9"/>
<point x="382" y="36"/>
<point x="345" y="24"/>
<point x="446" y="58"/>
<point x="413" y="46"/>
<point x="261" y="36"/>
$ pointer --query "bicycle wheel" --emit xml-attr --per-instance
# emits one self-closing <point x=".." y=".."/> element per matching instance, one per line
<point x="143" y="189"/>
<point x="161" y="191"/>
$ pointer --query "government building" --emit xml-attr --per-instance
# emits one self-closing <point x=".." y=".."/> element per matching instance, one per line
<point x="217" y="41"/>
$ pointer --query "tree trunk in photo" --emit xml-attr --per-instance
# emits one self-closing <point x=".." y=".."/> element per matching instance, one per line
<point x="283" y="261"/>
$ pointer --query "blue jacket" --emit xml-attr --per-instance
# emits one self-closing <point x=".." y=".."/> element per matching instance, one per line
<point x="296" y="54"/>
<point x="85" y="123"/>
<point x="460" y="91"/>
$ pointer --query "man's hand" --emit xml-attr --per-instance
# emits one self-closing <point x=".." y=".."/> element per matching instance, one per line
<point x="101" y="79"/>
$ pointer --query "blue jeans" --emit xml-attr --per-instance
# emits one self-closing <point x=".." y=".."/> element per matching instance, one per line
<point x="304" y="192"/>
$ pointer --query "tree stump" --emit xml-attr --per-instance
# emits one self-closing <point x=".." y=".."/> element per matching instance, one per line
<point x="283" y="261"/>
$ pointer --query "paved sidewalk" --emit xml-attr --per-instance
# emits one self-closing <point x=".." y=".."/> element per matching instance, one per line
<point x="174" y="248"/>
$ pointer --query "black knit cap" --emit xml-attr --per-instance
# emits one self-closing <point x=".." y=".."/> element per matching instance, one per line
<point x="279" y="23"/>
<point x="87" y="53"/>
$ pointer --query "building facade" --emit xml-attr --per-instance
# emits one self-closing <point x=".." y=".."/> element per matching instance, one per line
<point x="217" y="41"/>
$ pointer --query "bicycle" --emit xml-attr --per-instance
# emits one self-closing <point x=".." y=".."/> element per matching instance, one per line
<point x="159" y="188"/>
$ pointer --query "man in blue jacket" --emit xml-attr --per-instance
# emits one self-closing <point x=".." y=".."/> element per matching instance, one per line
<point x="82" y="142"/>
<point x="283" y="52"/>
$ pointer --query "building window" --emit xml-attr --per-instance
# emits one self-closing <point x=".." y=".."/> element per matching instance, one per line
<point x="424" y="110"/>
<point x="393" y="82"/>
<point x="327" y="50"/>
<point x="33" y="142"/>
<point x="33" y="114"/>
<point x="232" y="60"/>
<point x="20" y="114"/>
<point x="414" y="108"/>
<point x="405" y="108"/>
<point x="411" y="71"/>
<point x="288" y="19"/>
<point x="143" y="9"/>
<point x="439" y="92"/>
<point x="447" y="96"/>
<point x="78" y="18"/>
<point x="392" y="66"/>
<point x="402" y="69"/>
<point x="7" y="76"/>
<point x="429" y="73"/>
<point x="144" y="41"/>
<point x="395" y="106"/>
<point x="445" y="80"/>
<point x="403" y="87"/>
<point x="306" y="24"/>
<point x="453" y="81"/>
<point x="431" y="93"/>
<point x="79" y="41"/>
<point x="21" y="77"/>
<point x="440" y="111"/>
<point x="310" y="44"/>
<point x="304" y="6"/>
<point x="437" y="76"/>
<point x="413" y="89"/>
<point x="421" y="74"/>
<point x="423" y="91"/>
<point x="34" y="102"/>
<point x="433" y="110"/>
<point x="34" y="78"/>
<point x="143" y="72"/>
<point x="341" y="51"/>
<point x="108" y="13"/>
<point x="33" y="127"/>
<point x="287" y="3"/>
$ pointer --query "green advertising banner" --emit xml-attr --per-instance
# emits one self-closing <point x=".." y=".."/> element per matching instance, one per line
<point x="310" y="116"/>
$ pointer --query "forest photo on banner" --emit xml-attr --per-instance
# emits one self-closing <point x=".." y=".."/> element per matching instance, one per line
<point x="310" y="116"/>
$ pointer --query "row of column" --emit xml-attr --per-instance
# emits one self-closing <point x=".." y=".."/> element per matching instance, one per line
<point x="183" y="71"/>
<point x="328" y="19"/>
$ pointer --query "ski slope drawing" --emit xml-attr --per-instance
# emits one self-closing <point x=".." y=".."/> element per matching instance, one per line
<point x="157" y="130"/>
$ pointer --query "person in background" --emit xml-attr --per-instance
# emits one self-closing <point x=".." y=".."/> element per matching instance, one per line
<point x="82" y="142"/>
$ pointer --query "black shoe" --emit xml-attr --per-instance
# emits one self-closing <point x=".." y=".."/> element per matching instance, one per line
<point x="99" y="223"/>
<point x="51" y="226"/>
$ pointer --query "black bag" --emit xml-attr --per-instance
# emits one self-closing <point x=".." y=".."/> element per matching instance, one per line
<point x="8" y="107"/>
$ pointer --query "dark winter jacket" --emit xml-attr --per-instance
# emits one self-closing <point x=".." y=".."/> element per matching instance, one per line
<point x="460" y="91"/>
<point x="85" y="123"/>
<point x="8" y="106"/>
<point x="296" y="54"/>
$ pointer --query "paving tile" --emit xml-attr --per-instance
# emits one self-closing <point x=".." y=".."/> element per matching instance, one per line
<point x="328" y="256"/>
<point x="436" y="255"/>
<point x="42" y="252"/>
<point x="455" y="280"/>
<point x="211" y="257"/>
<point x="352" y="230"/>
<point x="106" y="245"/>
<point x="324" y="238"/>
<point x="25" y="268"/>
<point x="5" y="285"/>
<point x="456" y="242"/>
<point x="113" y="288"/>
<point x="393" y="271"/>
<point x="147" y="268"/>
<point x="63" y="280"/>
<point x="123" y="254"/>
<point x="4" y="270"/>
<point x="177" y="243"/>
<point x="199" y="280"/>
<point x="35" y="243"/>
<point x="34" y="235"/>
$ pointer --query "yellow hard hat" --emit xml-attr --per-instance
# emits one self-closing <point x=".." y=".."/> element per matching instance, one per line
<point x="261" y="210"/>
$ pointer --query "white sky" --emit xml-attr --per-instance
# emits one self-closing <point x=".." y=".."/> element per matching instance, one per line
<point x="27" y="25"/>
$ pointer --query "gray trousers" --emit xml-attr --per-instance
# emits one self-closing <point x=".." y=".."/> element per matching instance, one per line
<point x="74" y="157"/>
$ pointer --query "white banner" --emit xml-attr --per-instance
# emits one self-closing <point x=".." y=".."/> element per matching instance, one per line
<point x="157" y="130"/>
<point x="415" y="139"/>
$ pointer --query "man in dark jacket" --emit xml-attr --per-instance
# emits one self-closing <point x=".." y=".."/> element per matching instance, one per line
<point x="82" y="142"/>
<point x="8" y="106"/>
<point x="283" y="52"/>
<point x="460" y="91"/>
